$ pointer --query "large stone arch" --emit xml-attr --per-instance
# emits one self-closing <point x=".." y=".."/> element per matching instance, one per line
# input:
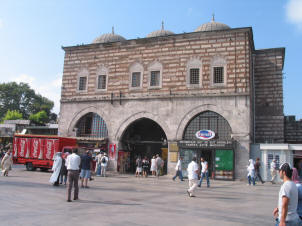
<point x="143" y="114"/>
<point x="78" y="115"/>
<point x="227" y="114"/>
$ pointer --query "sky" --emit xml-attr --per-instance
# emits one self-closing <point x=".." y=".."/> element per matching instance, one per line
<point x="32" y="33"/>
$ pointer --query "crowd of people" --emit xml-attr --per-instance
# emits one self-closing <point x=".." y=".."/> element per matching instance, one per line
<point x="68" y="168"/>
<point x="144" y="166"/>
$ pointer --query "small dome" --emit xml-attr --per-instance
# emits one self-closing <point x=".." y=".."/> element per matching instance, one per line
<point x="161" y="32"/>
<point x="212" y="26"/>
<point x="109" y="37"/>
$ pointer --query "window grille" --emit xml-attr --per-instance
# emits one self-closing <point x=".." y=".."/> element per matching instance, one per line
<point x="155" y="78"/>
<point x="102" y="82"/>
<point x="208" y="120"/>
<point x="136" y="79"/>
<point x="194" y="76"/>
<point x="82" y="83"/>
<point x="91" y="125"/>
<point x="218" y="75"/>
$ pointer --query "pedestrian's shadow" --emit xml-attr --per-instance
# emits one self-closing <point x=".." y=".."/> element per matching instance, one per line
<point x="113" y="203"/>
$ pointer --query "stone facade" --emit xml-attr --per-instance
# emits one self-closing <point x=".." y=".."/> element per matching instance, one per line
<point x="174" y="102"/>
<point x="269" y="116"/>
<point x="292" y="130"/>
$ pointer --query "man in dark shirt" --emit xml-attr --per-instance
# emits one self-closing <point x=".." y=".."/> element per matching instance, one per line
<point x="257" y="170"/>
<point x="86" y="161"/>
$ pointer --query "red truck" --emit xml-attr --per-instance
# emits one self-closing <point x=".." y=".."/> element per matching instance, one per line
<point x="37" y="151"/>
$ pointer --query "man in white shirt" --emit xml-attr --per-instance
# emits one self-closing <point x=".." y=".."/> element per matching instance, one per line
<point x="178" y="169"/>
<point x="273" y="171"/>
<point x="72" y="163"/>
<point x="286" y="213"/>
<point x="104" y="163"/>
<point x="192" y="176"/>
<point x="204" y="172"/>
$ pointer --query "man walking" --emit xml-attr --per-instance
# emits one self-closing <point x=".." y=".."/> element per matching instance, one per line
<point x="104" y="162"/>
<point x="73" y="165"/>
<point x="159" y="165"/>
<point x="192" y="176"/>
<point x="178" y="169"/>
<point x="98" y="162"/>
<point x="257" y="170"/>
<point x="204" y="172"/>
<point x="273" y="171"/>
<point x="286" y="212"/>
<point x="86" y="161"/>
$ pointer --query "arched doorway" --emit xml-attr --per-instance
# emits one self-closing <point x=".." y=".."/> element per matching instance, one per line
<point x="143" y="137"/>
<point x="217" y="150"/>
<point x="91" y="130"/>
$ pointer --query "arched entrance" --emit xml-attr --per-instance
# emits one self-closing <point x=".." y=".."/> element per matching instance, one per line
<point x="143" y="137"/>
<point x="217" y="150"/>
<point x="91" y="130"/>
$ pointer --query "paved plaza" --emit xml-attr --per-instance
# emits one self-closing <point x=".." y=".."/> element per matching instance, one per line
<point x="26" y="198"/>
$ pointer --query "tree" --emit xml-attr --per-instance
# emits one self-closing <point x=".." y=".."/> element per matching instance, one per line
<point x="39" y="118"/>
<point x="12" y="115"/>
<point x="22" y="98"/>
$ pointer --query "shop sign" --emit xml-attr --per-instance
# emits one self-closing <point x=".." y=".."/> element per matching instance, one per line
<point x="205" y="134"/>
<point x="205" y="144"/>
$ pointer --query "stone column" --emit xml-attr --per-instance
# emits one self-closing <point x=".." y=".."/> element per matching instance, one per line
<point x="173" y="154"/>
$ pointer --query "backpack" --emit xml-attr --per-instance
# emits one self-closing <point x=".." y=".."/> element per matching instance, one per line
<point x="103" y="160"/>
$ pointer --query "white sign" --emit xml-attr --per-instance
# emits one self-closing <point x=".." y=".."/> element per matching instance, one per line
<point x="205" y="134"/>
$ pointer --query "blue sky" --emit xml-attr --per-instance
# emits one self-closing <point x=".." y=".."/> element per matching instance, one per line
<point x="33" y="31"/>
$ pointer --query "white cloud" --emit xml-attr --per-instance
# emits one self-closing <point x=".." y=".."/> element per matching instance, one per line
<point x="50" y="89"/>
<point x="294" y="12"/>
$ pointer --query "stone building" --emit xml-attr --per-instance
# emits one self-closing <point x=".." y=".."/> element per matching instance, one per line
<point x="167" y="92"/>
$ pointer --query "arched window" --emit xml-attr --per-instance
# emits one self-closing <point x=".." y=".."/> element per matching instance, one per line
<point x="91" y="125"/>
<point x="102" y="78"/>
<point x="208" y="120"/>
<point x="155" y="75"/>
<point x="82" y="81"/>
<point x="218" y="71"/>
<point x="194" y="73"/>
<point x="136" y="74"/>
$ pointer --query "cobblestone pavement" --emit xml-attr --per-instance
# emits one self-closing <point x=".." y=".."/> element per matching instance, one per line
<point x="26" y="198"/>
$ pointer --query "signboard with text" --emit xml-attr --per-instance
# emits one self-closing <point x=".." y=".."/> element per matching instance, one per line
<point x="205" y="144"/>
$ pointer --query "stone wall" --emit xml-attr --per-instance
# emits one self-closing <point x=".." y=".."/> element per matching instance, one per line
<point x="292" y="130"/>
<point x="269" y="124"/>
<point x="173" y="52"/>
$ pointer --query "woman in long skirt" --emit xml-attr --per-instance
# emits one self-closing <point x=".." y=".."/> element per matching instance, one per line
<point x="6" y="163"/>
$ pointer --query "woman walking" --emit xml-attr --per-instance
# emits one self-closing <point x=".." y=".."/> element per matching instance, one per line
<point x="6" y="163"/>
<point x="146" y="165"/>
<point x="251" y="172"/>
<point x="153" y="166"/>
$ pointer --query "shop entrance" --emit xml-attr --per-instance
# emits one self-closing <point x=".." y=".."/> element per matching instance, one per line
<point x="143" y="137"/>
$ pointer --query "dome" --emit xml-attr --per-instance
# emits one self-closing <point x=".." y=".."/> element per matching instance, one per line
<point x="109" y="37"/>
<point x="212" y="26"/>
<point x="161" y="32"/>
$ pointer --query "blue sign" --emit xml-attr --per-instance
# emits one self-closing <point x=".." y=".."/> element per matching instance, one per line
<point x="205" y="134"/>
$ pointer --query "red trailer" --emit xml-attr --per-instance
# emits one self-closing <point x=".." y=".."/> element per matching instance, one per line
<point x="37" y="151"/>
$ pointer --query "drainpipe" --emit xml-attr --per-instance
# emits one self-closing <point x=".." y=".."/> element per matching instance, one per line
<point x="254" y="102"/>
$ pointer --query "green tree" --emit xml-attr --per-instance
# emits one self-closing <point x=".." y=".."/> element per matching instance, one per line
<point x="22" y="98"/>
<point x="12" y="115"/>
<point x="40" y="118"/>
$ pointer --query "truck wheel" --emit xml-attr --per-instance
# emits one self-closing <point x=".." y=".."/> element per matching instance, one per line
<point x="30" y="167"/>
<point x="44" y="169"/>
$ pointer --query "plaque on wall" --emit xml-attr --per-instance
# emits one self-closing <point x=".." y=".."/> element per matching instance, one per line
<point x="173" y="147"/>
<point x="173" y="156"/>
